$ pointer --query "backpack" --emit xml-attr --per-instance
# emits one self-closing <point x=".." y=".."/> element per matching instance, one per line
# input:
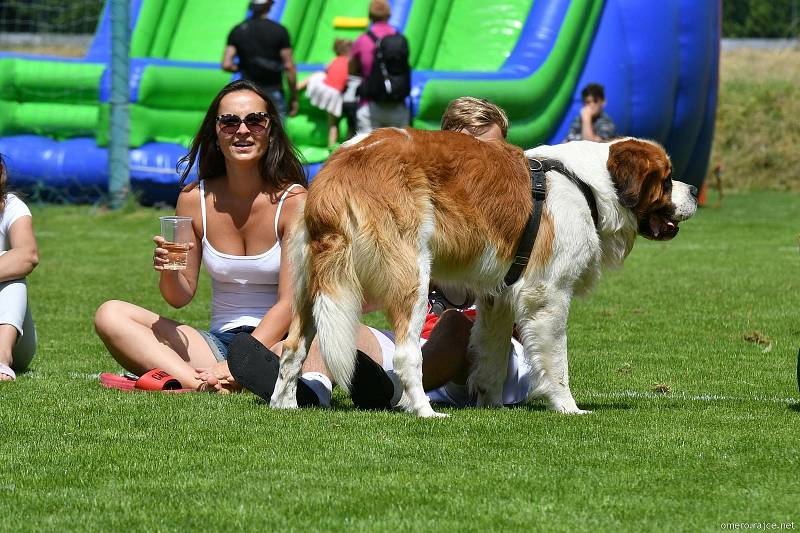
<point x="389" y="80"/>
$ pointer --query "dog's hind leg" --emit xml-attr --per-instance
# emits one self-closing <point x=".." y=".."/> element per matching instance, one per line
<point x="490" y="345"/>
<point x="406" y="303"/>
<point x="408" y="357"/>
<point x="542" y="323"/>
<point x="295" y="351"/>
<point x="302" y="329"/>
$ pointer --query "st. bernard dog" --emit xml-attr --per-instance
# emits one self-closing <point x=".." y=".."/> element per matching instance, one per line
<point x="398" y="208"/>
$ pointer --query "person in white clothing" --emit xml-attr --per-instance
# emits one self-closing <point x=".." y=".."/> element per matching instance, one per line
<point x="19" y="255"/>
<point x="250" y="186"/>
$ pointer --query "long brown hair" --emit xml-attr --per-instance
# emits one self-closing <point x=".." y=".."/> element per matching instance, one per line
<point x="3" y="180"/>
<point x="280" y="166"/>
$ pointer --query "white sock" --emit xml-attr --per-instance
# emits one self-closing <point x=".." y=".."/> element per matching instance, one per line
<point x="321" y="385"/>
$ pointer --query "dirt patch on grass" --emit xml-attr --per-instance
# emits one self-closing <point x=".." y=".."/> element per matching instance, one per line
<point x="56" y="51"/>
<point x="661" y="388"/>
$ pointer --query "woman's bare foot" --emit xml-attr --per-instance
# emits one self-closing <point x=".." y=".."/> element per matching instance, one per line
<point x="6" y="374"/>
<point x="217" y="378"/>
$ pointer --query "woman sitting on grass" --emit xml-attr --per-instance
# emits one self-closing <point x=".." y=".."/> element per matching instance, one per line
<point x="250" y="186"/>
<point x="18" y="257"/>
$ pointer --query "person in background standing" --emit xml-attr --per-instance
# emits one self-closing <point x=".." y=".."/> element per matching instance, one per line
<point x="371" y="113"/>
<point x="265" y="53"/>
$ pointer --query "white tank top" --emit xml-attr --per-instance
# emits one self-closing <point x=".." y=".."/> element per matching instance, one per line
<point x="243" y="287"/>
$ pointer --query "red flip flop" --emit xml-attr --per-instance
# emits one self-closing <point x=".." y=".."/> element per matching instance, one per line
<point x="115" y="381"/>
<point x="153" y="380"/>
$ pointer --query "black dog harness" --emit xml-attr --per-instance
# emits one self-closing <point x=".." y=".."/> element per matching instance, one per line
<point x="538" y="169"/>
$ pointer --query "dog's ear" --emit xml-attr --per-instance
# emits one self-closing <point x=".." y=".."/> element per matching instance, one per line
<point x="631" y="165"/>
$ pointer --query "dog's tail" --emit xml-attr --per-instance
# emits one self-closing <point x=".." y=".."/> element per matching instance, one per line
<point x="333" y="285"/>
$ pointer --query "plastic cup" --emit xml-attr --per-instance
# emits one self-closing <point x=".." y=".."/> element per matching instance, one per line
<point x="177" y="234"/>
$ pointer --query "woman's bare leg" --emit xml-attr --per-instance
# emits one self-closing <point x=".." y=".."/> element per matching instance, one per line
<point x="141" y="340"/>
<point x="8" y="336"/>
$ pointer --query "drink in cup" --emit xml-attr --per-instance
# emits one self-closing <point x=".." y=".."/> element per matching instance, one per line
<point x="177" y="234"/>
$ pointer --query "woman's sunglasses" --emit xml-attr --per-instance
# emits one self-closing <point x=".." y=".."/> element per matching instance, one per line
<point x="255" y="122"/>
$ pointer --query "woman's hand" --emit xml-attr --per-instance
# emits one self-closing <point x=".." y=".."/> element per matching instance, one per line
<point x="160" y="257"/>
<point x="218" y="378"/>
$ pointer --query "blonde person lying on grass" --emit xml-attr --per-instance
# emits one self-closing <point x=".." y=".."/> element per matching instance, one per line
<point x="19" y="255"/>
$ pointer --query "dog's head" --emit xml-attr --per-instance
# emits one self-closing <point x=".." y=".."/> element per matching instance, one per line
<point x="642" y="174"/>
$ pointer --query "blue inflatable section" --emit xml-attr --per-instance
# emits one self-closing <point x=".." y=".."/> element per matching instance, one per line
<point x="77" y="168"/>
<point x="659" y="63"/>
<point x="657" y="60"/>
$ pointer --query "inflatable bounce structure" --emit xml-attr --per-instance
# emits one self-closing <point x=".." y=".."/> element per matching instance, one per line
<point x="658" y="62"/>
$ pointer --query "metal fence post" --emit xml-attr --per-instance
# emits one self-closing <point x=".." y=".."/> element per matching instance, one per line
<point x="118" y="171"/>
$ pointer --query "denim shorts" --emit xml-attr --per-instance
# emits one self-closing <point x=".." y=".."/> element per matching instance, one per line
<point x="219" y="341"/>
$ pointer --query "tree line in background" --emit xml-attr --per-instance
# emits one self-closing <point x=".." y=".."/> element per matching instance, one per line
<point x="740" y="18"/>
<point x="50" y="16"/>
<point x="760" y="18"/>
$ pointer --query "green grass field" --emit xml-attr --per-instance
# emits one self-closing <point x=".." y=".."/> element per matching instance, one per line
<point x="720" y="446"/>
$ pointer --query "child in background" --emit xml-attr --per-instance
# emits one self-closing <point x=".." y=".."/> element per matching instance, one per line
<point x="324" y="89"/>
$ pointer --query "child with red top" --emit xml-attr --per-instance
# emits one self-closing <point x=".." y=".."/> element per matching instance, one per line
<point x="324" y="89"/>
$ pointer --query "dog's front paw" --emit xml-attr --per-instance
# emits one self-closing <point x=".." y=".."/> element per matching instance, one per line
<point x="569" y="408"/>
<point x="423" y="409"/>
<point x="488" y="402"/>
<point x="575" y="411"/>
<point x="428" y="412"/>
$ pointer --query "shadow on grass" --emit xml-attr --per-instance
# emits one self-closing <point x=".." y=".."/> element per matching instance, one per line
<point x="612" y="406"/>
<point x="344" y="404"/>
<point x="795" y="407"/>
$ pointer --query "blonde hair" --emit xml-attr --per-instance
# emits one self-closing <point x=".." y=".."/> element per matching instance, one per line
<point x="475" y="115"/>
<point x="379" y="10"/>
<point x="341" y="47"/>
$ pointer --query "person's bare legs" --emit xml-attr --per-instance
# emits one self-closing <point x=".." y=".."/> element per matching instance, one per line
<point x="333" y="130"/>
<point x="8" y="336"/>
<point x="141" y="340"/>
<point x="444" y="355"/>
<point x="313" y="362"/>
<point x="219" y="375"/>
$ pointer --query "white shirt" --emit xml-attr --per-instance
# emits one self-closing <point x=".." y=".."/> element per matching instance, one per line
<point x="243" y="287"/>
<point x="13" y="211"/>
